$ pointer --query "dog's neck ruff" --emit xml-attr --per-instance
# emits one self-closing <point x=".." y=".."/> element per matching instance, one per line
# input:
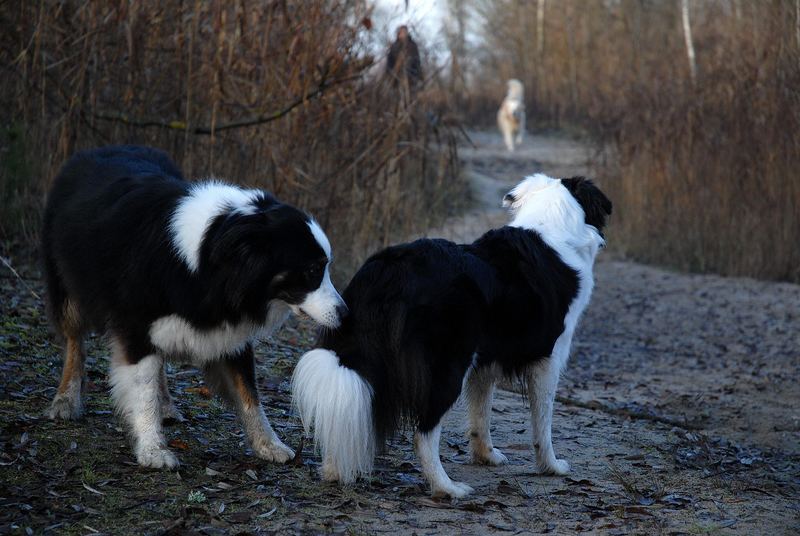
<point x="195" y="212"/>
<point x="544" y="205"/>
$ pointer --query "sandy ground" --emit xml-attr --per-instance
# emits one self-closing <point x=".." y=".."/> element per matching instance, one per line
<point x="678" y="413"/>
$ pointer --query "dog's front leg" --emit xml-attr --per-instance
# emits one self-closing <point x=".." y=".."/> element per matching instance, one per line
<point x="135" y="389"/>
<point x="235" y="379"/>
<point x="508" y="136"/>
<point x="542" y="383"/>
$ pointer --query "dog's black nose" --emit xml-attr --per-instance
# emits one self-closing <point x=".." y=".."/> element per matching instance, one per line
<point x="342" y="311"/>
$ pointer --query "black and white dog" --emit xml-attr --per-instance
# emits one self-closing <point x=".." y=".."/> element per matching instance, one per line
<point x="175" y="270"/>
<point x="430" y="317"/>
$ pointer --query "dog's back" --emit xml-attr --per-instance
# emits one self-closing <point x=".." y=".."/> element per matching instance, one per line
<point x="89" y="176"/>
<point x="95" y="206"/>
<point x="412" y="308"/>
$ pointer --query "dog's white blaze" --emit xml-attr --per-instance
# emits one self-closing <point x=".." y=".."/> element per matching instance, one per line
<point x="320" y="237"/>
<point x="196" y="211"/>
<point x="135" y="390"/>
<point x="336" y="403"/>
<point x="427" y="447"/>
<point x="321" y="305"/>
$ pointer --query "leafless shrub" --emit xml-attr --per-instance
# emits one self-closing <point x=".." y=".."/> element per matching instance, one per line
<point x="269" y="94"/>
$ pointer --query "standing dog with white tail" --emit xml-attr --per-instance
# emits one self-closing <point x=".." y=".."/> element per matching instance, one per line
<point x="511" y="115"/>
<point x="427" y="315"/>
<point x="171" y="269"/>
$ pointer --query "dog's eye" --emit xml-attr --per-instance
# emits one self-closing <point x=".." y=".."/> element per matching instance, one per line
<point x="315" y="271"/>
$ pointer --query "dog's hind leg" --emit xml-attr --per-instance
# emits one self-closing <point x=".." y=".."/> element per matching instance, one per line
<point x="67" y="403"/>
<point x="135" y="388"/>
<point x="169" y="411"/>
<point x="426" y="445"/>
<point x="479" y="393"/>
<point x="542" y="383"/>
<point x="521" y="126"/>
<point x="235" y="379"/>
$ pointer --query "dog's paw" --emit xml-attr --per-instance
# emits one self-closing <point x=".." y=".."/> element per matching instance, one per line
<point x="272" y="451"/>
<point x="453" y="489"/>
<point x="171" y="414"/>
<point x="65" y="407"/>
<point x="492" y="457"/>
<point x="554" y="467"/>
<point x="156" y="457"/>
<point x="329" y="473"/>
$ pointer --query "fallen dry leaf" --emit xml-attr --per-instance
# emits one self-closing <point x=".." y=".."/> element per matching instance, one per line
<point x="179" y="444"/>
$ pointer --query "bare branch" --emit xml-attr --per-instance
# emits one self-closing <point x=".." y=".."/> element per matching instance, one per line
<point x="258" y="120"/>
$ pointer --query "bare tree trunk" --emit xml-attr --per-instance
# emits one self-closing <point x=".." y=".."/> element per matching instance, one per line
<point x="573" y="61"/>
<point x="540" y="46"/>
<point x="797" y="21"/>
<point x="736" y="9"/>
<point x="687" y="36"/>
<point x="455" y="33"/>
<point x="540" y="28"/>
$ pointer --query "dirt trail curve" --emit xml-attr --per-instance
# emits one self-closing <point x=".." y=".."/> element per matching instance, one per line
<point x="678" y="413"/>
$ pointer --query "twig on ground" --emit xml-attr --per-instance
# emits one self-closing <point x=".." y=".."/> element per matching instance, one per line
<point x="625" y="412"/>
<point x="7" y="264"/>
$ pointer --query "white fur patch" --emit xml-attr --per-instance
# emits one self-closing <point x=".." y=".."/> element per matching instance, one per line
<point x="321" y="305"/>
<point x="427" y="447"/>
<point x="521" y="193"/>
<point x="336" y="403"/>
<point x="196" y="211"/>
<point x="135" y="390"/>
<point x="479" y="390"/>
<point x="174" y="335"/>
<point x="321" y="237"/>
<point x="544" y="204"/>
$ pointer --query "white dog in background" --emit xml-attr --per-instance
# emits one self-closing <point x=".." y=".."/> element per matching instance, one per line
<point x="511" y="115"/>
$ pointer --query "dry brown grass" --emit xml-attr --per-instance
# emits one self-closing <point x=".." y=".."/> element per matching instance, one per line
<point x="265" y="93"/>
<point x="703" y="176"/>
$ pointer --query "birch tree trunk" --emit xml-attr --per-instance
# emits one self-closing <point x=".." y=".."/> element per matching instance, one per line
<point x="687" y="36"/>
<point x="540" y="46"/>
<point x="540" y="28"/>
<point x="797" y="21"/>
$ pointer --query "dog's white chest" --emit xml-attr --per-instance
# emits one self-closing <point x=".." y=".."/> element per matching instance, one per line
<point x="174" y="336"/>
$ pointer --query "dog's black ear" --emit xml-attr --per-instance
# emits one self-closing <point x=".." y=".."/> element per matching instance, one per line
<point x="227" y="241"/>
<point x="595" y="204"/>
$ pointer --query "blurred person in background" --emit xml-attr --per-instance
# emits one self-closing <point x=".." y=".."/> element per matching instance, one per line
<point x="403" y="64"/>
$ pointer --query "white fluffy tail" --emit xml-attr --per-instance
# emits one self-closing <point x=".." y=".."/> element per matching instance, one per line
<point x="336" y="403"/>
